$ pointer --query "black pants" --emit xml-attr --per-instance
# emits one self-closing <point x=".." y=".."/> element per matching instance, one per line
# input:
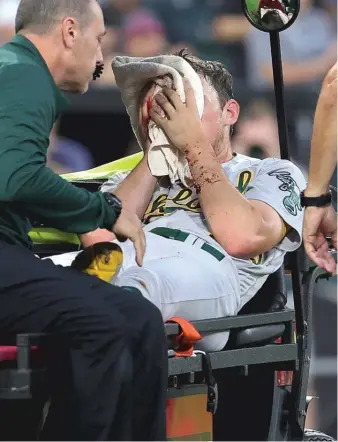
<point x="115" y="388"/>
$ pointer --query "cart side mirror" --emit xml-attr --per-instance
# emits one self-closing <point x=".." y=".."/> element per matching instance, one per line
<point x="271" y="15"/>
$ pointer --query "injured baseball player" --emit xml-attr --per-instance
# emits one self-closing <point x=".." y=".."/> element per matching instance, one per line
<point x="212" y="241"/>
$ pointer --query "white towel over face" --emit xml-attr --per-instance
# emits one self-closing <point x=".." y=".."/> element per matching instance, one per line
<point x="132" y="74"/>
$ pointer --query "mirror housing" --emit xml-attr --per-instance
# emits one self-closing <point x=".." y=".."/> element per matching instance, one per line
<point x="271" y="15"/>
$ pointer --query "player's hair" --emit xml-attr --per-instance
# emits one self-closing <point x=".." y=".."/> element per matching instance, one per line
<point x="39" y="16"/>
<point x="214" y="72"/>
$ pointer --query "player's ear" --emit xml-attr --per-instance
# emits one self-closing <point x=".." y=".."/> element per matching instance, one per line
<point x="230" y="112"/>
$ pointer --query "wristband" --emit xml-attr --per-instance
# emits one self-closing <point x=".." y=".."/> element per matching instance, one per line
<point x="315" y="201"/>
<point x="114" y="202"/>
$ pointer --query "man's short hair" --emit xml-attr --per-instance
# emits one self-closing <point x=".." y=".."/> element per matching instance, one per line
<point x="40" y="16"/>
<point x="214" y="72"/>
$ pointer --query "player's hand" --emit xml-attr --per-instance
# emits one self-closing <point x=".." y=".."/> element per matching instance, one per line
<point x="179" y="121"/>
<point x="129" y="226"/>
<point x="320" y="222"/>
<point x="98" y="235"/>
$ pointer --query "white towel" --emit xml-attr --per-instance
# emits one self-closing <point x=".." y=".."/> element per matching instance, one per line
<point x="132" y="74"/>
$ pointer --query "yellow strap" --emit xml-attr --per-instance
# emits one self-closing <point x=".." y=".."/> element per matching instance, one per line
<point x="45" y="235"/>
<point x="286" y="229"/>
<point x="125" y="164"/>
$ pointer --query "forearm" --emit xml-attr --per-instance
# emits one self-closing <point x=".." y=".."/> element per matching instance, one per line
<point x="28" y="108"/>
<point x="226" y="210"/>
<point x="137" y="189"/>
<point x="45" y="197"/>
<point x="323" y="159"/>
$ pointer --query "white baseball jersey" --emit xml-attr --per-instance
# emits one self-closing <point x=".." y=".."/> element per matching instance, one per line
<point x="273" y="181"/>
<point x="183" y="279"/>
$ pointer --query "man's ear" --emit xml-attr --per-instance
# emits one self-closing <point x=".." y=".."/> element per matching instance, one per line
<point x="70" y="30"/>
<point x="230" y="112"/>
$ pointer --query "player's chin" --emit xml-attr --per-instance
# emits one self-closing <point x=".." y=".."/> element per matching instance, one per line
<point x="144" y="138"/>
<point x="143" y="128"/>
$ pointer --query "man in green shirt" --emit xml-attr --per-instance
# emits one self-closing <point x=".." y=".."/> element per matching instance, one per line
<point x="110" y="332"/>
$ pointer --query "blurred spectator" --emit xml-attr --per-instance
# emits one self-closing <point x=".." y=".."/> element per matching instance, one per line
<point x="143" y="35"/>
<point x="8" y="10"/>
<point x="331" y="6"/>
<point x="256" y="132"/>
<point x="110" y="41"/>
<point x="190" y="25"/>
<point x="66" y="155"/>
<point x="229" y="29"/>
<point x="184" y="21"/>
<point x="309" y="49"/>
<point x="116" y="11"/>
<point x="214" y="28"/>
<point x="230" y="25"/>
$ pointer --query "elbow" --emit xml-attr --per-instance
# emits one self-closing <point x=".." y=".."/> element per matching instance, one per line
<point x="240" y="250"/>
<point x="18" y="185"/>
<point x="240" y="246"/>
<point x="243" y="240"/>
<point x="237" y="241"/>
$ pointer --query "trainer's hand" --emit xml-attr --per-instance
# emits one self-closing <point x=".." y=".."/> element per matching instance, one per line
<point x="129" y="226"/>
<point x="179" y="121"/>
<point x="320" y="222"/>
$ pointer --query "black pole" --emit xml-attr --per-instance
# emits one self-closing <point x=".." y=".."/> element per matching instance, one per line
<point x="301" y="304"/>
<point x="279" y="94"/>
<point x="284" y="150"/>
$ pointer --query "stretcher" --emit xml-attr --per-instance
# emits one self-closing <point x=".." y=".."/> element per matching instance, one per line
<point x="254" y="389"/>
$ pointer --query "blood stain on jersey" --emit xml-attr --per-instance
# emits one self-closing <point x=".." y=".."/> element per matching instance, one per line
<point x="292" y="201"/>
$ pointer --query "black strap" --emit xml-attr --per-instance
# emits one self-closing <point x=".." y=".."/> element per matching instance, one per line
<point x="316" y="201"/>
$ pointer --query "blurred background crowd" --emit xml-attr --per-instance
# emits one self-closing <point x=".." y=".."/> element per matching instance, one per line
<point x="212" y="29"/>
<point x="96" y="130"/>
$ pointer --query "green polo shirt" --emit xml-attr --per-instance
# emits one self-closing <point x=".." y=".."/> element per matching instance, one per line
<point x="30" y="102"/>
